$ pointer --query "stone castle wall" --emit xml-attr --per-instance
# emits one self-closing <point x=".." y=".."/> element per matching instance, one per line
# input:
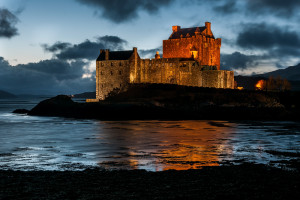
<point x="115" y="75"/>
<point x="189" y="73"/>
<point x="111" y="75"/>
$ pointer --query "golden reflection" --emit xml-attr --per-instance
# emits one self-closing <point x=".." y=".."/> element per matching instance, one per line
<point x="178" y="145"/>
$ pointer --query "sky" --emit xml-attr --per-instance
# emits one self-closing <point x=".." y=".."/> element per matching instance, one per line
<point x="50" y="46"/>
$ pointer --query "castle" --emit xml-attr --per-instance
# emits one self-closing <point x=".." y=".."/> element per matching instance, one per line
<point x="191" y="57"/>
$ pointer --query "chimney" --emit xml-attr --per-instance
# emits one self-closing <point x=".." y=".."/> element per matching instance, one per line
<point x="135" y="51"/>
<point x="208" y="25"/>
<point x="106" y="54"/>
<point x="175" y="28"/>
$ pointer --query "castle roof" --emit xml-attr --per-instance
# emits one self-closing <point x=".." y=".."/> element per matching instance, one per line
<point x="116" y="55"/>
<point x="187" y="32"/>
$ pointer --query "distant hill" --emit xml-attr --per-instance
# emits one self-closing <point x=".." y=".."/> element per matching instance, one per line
<point x="86" y="95"/>
<point x="6" y="95"/>
<point x="291" y="73"/>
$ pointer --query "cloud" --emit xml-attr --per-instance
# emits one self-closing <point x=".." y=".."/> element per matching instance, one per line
<point x="68" y="72"/>
<point x="270" y="38"/>
<point x="46" y="77"/>
<point x="149" y="53"/>
<point x="7" y="24"/>
<point x="281" y="8"/>
<point x="239" y="60"/>
<point x="58" y="46"/>
<point x="119" y="11"/>
<point x="228" y="7"/>
<point x="85" y="50"/>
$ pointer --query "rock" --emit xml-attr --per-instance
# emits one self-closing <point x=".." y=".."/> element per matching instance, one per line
<point x="61" y="105"/>
<point x="21" y="111"/>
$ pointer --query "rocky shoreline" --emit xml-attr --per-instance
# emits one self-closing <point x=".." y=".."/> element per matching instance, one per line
<point x="246" y="181"/>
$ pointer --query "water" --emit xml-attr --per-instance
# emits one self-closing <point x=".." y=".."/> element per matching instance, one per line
<point x="52" y="143"/>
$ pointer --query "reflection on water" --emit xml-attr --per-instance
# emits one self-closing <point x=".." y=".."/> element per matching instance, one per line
<point x="50" y="143"/>
<point x="162" y="145"/>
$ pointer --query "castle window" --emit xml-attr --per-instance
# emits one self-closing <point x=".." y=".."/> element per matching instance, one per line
<point x="120" y="72"/>
<point x="120" y="64"/>
<point x="111" y="73"/>
<point x="102" y="73"/>
<point x="112" y="64"/>
<point x="120" y="85"/>
<point x="102" y="86"/>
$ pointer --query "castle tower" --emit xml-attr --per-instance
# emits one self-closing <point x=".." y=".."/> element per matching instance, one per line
<point x="196" y="43"/>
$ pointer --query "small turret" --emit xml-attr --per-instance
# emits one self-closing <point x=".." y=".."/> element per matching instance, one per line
<point x="157" y="56"/>
<point x="208" y="26"/>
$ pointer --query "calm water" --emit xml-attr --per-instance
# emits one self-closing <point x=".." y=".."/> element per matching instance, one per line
<point x="51" y="143"/>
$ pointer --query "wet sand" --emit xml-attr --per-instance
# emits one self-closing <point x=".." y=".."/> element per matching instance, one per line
<point x="247" y="181"/>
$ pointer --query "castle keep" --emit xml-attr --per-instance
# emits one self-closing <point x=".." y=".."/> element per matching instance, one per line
<point x="191" y="57"/>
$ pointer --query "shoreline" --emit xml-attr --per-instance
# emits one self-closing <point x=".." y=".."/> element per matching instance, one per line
<point x="246" y="181"/>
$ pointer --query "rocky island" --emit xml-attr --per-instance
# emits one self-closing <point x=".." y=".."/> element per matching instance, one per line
<point x="174" y="102"/>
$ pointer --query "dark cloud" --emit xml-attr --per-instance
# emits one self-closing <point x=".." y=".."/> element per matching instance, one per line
<point x="7" y="24"/>
<point x="124" y="10"/>
<point x="238" y="60"/>
<point x="283" y="8"/>
<point x="59" y="69"/>
<point x="149" y="53"/>
<point x="270" y="38"/>
<point x="112" y="42"/>
<point x="85" y="50"/>
<point x="228" y="7"/>
<point x="45" y="77"/>
<point x="58" y="46"/>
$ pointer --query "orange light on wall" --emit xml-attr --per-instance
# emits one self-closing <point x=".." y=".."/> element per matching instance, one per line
<point x="194" y="54"/>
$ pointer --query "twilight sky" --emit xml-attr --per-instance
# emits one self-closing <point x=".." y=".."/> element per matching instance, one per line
<point x="50" y="46"/>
